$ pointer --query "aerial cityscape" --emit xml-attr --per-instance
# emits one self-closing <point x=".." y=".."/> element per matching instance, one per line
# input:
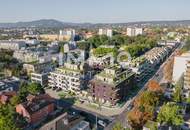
<point x="95" y="65"/>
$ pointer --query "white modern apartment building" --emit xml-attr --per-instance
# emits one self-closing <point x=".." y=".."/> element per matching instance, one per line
<point x="107" y="32"/>
<point x="70" y="77"/>
<point x="12" y="44"/>
<point x="180" y="66"/>
<point x="134" y="31"/>
<point x="186" y="89"/>
<point x="41" y="78"/>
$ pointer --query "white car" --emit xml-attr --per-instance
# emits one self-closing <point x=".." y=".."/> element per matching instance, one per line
<point x="102" y="123"/>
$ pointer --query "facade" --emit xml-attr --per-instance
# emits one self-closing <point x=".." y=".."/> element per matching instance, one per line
<point x="186" y="89"/>
<point x="41" y="54"/>
<point x="12" y="44"/>
<point x="36" y="108"/>
<point x="180" y="66"/>
<point x="76" y="56"/>
<point x="107" y="32"/>
<point x="70" y="77"/>
<point x="157" y="55"/>
<point x="101" y="61"/>
<point x="41" y="78"/>
<point x="38" y="67"/>
<point x="54" y="37"/>
<point x="134" y="31"/>
<point x="69" y="46"/>
<point x="169" y="43"/>
<point x="111" y="85"/>
<point x="26" y="56"/>
<point x="140" y="67"/>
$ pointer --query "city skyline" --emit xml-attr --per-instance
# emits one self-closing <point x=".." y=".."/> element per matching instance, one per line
<point x="104" y="11"/>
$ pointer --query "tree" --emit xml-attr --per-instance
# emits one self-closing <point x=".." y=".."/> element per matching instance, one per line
<point x="139" y="116"/>
<point x="15" y="100"/>
<point x="154" y="86"/>
<point x="7" y="118"/>
<point x="23" y="91"/>
<point x="143" y="110"/>
<point x="118" y="126"/>
<point x="177" y="96"/>
<point x="148" y="98"/>
<point x="168" y="70"/>
<point x="169" y="113"/>
<point x="35" y="88"/>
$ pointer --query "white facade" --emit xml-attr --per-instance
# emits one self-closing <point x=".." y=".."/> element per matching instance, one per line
<point x="26" y="55"/>
<point x="68" y="78"/>
<point x="41" y="78"/>
<point x="107" y="32"/>
<point x="68" y="32"/>
<point x="157" y="54"/>
<point x="12" y="45"/>
<point x="134" y="31"/>
<point x="180" y="66"/>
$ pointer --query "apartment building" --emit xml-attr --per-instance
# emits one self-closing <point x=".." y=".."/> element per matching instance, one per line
<point x="101" y="61"/>
<point x="38" y="67"/>
<point x="133" y="31"/>
<point x="76" y="56"/>
<point x="70" y="77"/>
<point x="27" y="55"/>
<point x="41" y="78"/>
<point x="33" y="54"/>
<point x="140" y="67"/>
<point x="111" y="85"/>
<point x="180" y="66"/>
<point x="12" y="44"/>
<point x="187" y="79"/>
<point x="157" y="55"/>
<point x="107" y="32"/>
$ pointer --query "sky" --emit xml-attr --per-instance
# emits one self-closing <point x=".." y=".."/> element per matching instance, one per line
<point x="94" y="11"/>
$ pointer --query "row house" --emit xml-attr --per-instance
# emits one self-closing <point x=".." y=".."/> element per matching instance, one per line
<point x="157" y="55"/>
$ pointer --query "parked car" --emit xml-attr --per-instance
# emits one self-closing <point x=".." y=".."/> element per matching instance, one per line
<point x="102" y="123"/>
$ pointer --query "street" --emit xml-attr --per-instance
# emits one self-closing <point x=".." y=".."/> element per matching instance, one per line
<point x="158" y="76"/>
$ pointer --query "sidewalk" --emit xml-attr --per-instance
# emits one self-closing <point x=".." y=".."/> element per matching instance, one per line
<point x="90" y="107"/>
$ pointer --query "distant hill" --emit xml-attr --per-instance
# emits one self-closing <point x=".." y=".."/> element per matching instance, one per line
<point x="37" y="23"/>
<point x="51" y="23"/>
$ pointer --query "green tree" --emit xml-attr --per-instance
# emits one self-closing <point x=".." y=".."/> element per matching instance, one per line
<point x="15" y="100"/>
<point x="35" y="88"/>
<point x="118" y="126"/>
<point x="23" y="91"/>
<point x="177" y="96"/>
<point x="7" y="118"/>
<point x="169" y="113"/>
